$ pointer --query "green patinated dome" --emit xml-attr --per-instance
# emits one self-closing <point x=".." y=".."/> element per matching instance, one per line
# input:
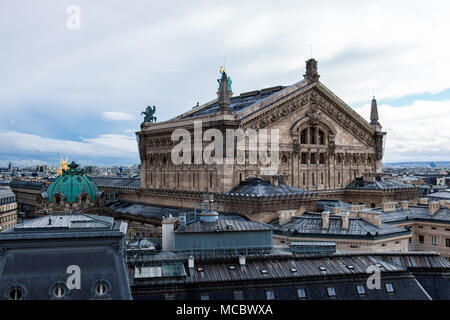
<point x="71" y="183"/>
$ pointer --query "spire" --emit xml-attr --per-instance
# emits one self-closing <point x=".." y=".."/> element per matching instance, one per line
<point x="374" y="113"/>
<point x="311" y="74"/>
<point x="224" y="94"/>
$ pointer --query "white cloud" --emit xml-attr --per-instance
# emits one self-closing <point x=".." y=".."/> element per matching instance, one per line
<point x="118" y="116"/>
<point x="415" y="132"/>
<point x="103" y="146"/>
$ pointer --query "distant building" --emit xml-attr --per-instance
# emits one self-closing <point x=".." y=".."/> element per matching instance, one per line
<point x="27" y="193"/>
<point x="64" y="256"/>
<point x="8" y="209"/>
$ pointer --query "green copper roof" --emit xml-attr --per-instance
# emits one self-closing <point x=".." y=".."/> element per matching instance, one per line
<point x="71" y="183"/>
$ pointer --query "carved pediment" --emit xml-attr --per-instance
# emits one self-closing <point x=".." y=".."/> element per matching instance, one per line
<point x="321" y="101"/>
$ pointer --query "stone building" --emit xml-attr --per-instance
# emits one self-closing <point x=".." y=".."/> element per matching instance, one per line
<point x="8" y="209"/>
<point x="365" y="233"/>
<point x="324" y="144"/>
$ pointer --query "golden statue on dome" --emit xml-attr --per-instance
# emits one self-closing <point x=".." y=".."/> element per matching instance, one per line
<point x="63" y="166"/>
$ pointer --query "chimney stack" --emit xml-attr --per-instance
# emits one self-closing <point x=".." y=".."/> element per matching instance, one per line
<point x="433" y="207"/>
<point x="242" y="260"/>
<point x="191" y="262"/>
<point x="423" y="201"/>
<point x="345" y="220"/>
<point x="388" y="206"/>
<point x="337" y="210"/>
<point x="404" y="205"/>
<point x="325" y="219"/>
<point x="168" y="227"/>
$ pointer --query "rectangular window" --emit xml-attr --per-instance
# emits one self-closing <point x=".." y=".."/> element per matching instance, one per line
<point x="313" y="179"/>
<point x="301" y="293"/>
<point x="361" y="290"/>
<point x="331" y="292"/>
<point x="210" y="180"/>
<point x="304" y="161"/>
<point x="270" y="295"/>
<point x="304" y="179"/>
<point x="447" y="243"/>
<point x="321" y="178"/>
<point x="339" y="178"/>
<point x="421" y="239"/>
<point x="313" y="158"/>
<point x="433" y="228"/>
<point x="389" y="287"/>
<point x="322" y="158"/>
<point x="312" y="135"/>
<point x="434" y="241"/>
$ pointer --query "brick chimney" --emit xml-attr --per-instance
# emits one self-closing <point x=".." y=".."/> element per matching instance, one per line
<point x="325" y="219"/>
<point x="337" y="210"/>
<point x="345" y="220"/>
<point x="373" y="218"/>
<point x="423" y="201"/>
<point x="433" y="207"/>
<point x="404" y="205"/>
<point x="388" y="206"/>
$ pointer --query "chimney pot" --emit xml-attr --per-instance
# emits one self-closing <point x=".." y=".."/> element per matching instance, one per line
<point x="191" y="262"/>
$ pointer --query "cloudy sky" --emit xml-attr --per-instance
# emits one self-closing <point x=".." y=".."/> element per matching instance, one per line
<point x="79" y="92"/>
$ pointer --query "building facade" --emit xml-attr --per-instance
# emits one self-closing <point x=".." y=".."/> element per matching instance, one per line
<point x="8" y="209"/>
<point x="324" y="144"/>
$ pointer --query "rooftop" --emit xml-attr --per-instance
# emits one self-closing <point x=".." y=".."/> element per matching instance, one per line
<point x="311" y="224"/>
<point x="262" y="188"/>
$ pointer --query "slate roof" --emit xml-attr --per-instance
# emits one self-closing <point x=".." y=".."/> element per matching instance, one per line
<point x="7" y="193"/>
<point x="35" y="256"/>
<point x="442" y="195"/>
<point x="111" y="181"/>
<point x="311" y="225"/>
<point x="260" y="188"/>
<point x="223" y="225"/>
<point x="237" y="103"/>
<point x="418" y="213"/>
<point x="378" y="185"/>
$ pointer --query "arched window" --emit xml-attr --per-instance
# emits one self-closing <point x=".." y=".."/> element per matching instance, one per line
<point x="312" y="135"/>
<point x="321" y="137"/>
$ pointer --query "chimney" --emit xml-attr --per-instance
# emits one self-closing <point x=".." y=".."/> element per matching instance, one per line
<point x="404" y="205"/>
<point x="325" y="219"/>
<point x="168" y="227"/>
<point x="345" y="220"/>
<point x="433" y="207"/>
<point x="373" y="218"/>
<point x="336" y="210"/>
<point x="369" y="177"/>
<point x="242" y="260"/>
<point x="388" y="206"/>
<point x="423" y="201"/>
<point x="191" y="262"/>
<point x="285" y="216"/>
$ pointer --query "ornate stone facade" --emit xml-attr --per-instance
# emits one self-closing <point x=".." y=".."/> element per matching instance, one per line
<point x="324" y="144"/>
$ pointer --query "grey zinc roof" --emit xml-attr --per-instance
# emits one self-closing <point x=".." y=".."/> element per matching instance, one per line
<point x="223" y="225"/>
<point x="112" y="181"/>
<point x="237" y="103"/>
<point x="259" y="187"/>
<point x="415" y="213"/>
<point x="6" y="193"/>
<point x="442" y="195"/>
<point x="66" y="221"/>
<point x="378" y="185"/>
<point x="311" y="224"/>
<point x="147" y="211"/>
